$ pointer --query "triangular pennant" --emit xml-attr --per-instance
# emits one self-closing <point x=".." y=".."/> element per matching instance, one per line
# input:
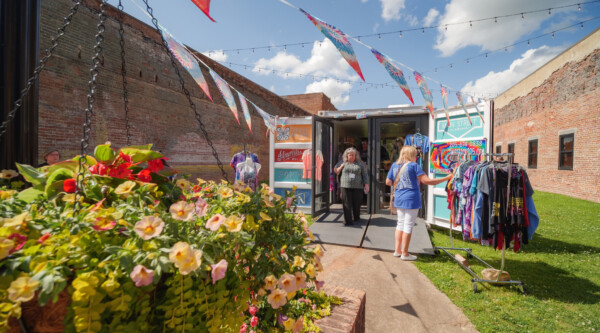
<point x="394" y="72"/>
<point x="339" y="40"/>
<point x="270" y="121"/>
<point x="425" y="92"/>
<point x="226" y="92"/>
<point x="186" y="59"/>
<point x="460" y="100"/>
<point x="476" y="108"/>
<point x="204" y="6"/>
<point x="444" y="91"/>
<point x="245" y="111"/>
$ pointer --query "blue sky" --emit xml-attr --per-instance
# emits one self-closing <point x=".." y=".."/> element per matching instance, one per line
<point x="439" y="54"/>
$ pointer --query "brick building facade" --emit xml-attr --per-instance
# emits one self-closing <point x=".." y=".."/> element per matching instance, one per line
<point x="551" y="120"/>
<point x="312" y="103"/>
<point x="159" y="112"/>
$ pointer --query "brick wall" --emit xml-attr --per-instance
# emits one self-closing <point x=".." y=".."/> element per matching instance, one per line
<point x="348" y="317"/>
<point x="567" y="101"/>
<point x="159" y="112"/>
<point x="312" y="102"/>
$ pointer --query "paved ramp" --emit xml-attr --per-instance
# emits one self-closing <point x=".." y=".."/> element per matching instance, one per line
<point x="372" y="232"/>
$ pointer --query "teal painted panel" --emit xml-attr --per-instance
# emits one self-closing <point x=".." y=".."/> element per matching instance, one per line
<point x="440" y="207"/>
<point x="289" y="175"/>
<point x="459" y="127"/>
<point x="441" y="185"/>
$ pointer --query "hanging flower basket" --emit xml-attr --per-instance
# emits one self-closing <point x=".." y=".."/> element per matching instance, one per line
<point x="133" y="251"/>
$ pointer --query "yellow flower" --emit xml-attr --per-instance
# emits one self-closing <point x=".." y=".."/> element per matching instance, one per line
<point x="291" y="295"/>
<point x="276" y="196"/>
<point x="7" y="194"/>
<point x="277" y="298"/>
<point x="233" y="223"/>
<point x="8" y="174"/>
<point x="298" y="325"/>
<point x="318" y="250"/>
<point x="270" y="282"/>
<point x="16" y="221"/>
<point x="299" y="262"/>
<point x="70" y="198"/>
<point x="242" y="198"/>
<point x="225" y="192"/>
<point x="5" y="246"/>
<point x="200" y="181"/>
<point x="185" y="258"/>
<point x="287" y="282"/>
<point x="183" y="184"/>
<point x="310" y="270"/>
<point x="125" y="188"/>
<point x="300" y="280"/>
<point x="265" y="217"/>
<point x="149" y="227"/>
<point x="182" y="210"/>
<point x="22" y="289"/>
<point x="215" y="222"/>
<point x="268" y="203"/>
<point x="310" y="234"/>
<point x="288" y="324"/>
<point x="261" y="292"/>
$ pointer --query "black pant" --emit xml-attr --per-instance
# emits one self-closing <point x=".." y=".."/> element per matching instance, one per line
<point x="351" y="199"/>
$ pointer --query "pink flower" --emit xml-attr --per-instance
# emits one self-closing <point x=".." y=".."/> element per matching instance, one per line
<point x="254" y="321"/>
<point x="288" y="202"/>
<point x="149" y="227"/>
<point x="319" y="284"/>
<point x="182" y="211"/>
<point x="201" y="207"/>
<point x="215" y="222"/>
<point x="218" y="270"/>
<point x="243" y="328"/>
<point x="298" y="325"/>
<point x="104" y="223"/>
<point x="253" y="310"/>
<point x="142" y="276"/>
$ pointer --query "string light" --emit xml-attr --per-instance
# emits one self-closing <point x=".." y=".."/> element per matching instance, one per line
<point x="400" y="34"/>
<point x="471" y="24"/>
<point x="579" y="7"/>
<point x="522" y="17"/>
<point x="423" y="30"/>
<point x="552" y="34"/>
<point x="495" y="20"/>
<point x="446" y="28"/>
<point x="549" y="12"/>
<point x="379" y="36"/>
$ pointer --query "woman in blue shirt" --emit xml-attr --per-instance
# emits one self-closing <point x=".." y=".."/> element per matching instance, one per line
<point x="407" y="196"/>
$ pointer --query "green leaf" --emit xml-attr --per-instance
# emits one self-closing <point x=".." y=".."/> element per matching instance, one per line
<point x="55" y="181"/>
<point x="90" y="160"/>
<point x="144" y="147"/>
<point x="141" y="155"/>
<point x="29" y="194"/>
<point x="31" y="174"/>
<point x="104" y="153"/>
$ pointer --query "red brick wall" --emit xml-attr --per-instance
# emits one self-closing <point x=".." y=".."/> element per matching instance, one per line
<point x="567" y="101"/>
<point x="312" y="102"/>
<point x="159" y="111"/>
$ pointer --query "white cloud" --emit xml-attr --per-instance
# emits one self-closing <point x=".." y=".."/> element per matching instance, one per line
<point x="487" y="34"/>
<point x="216" y="55"/>
<point x="498" y="82"/>
<point x="325" y="60"/>
<point x="363" y="1"/>
<point x="411" y="20"/>
<point x="375" y="27"/>
<point x="333" y="89"/>
<point x="390" y="9"/>
<point x="432" y="15"/>
<point x="272" y="88"/>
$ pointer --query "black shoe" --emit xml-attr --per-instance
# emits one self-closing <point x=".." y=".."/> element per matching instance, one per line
<point x="348" y="223"/>
<point x="356" y="220"/>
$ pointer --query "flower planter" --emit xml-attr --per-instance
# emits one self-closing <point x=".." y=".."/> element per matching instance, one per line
<point x="347" y="317"/>
<point x="46" y="319"/>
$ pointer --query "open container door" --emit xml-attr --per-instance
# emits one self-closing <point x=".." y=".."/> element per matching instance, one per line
<point x="321" y="165"/>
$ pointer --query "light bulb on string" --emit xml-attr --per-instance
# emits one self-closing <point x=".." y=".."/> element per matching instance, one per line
<point x="423" y="30"/>
<point x="285" y="47"/>
<point x="379" y="36"/>
<point x="471" y="24"/>
<point x="549" y="11"/>
<point x="581" y="25"/>
<point x="495" y="20"/>
<point x="400" y="34"/>
<point x="467" y="61"/>
<point x="446" y="28"/>
<point x="486" y="55"/>
<point x="252" y="50"/>
<point x="579" y="7"/>
<point x="553" y="34"/>
<point x="522" y="17"/>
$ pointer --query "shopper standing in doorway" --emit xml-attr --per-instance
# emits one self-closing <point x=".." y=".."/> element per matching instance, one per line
<point x="406" y="174"/>
<point x="353" y="181"/>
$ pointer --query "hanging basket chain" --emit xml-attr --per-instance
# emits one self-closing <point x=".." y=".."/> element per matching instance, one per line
<point x="36" y="73"/>
<point x="124" y="74"/>
<point x="89" y="111"/>
<point x="187" y="93"/>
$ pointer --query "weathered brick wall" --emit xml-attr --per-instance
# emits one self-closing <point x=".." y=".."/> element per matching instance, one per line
<point x="312" y="102"/>
<point x="159" y="112"/>
<point x="567" y="101"/>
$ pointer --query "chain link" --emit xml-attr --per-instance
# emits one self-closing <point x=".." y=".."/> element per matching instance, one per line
<point x="89" y="111"/>
<point x="124" y="74"/>
<point x="187" y="93"/>
<point x="36" y="73"/>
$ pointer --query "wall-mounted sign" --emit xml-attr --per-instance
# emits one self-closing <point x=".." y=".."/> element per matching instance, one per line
<point x="289" y="175"/>
<point x="288" y="155"/>
<point x="303" y="196"/>
<point x="440" y="161"/>
<point x="293" y="133"/>
<point x="459" y="128"/>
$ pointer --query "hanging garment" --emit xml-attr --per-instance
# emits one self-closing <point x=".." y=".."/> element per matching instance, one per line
<point x="239" y="158"/>
<point x="248" y="173"/>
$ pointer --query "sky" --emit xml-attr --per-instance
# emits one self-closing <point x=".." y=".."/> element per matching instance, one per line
<point x="277" y="47"/>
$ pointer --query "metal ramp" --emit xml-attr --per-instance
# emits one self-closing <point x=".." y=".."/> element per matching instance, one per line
<point x="371" y="232"/>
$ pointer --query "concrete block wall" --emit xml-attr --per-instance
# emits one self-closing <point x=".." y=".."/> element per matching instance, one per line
<point x="568" y="101"/>
<point x="159" y="112"/>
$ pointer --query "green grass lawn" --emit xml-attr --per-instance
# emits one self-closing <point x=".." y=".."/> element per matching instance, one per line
<point x="560" y="268"/>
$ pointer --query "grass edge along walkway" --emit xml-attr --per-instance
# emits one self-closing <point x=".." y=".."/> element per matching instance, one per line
<point x="560" y="268"/>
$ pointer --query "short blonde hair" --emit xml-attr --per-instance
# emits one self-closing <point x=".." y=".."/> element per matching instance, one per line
<point x="407" y="154"/>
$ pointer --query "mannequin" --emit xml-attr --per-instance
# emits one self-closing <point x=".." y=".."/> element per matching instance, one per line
<point x="248" y="171"/>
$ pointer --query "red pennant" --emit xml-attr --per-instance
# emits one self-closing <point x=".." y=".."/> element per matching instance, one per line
<point x="204" y="6"/>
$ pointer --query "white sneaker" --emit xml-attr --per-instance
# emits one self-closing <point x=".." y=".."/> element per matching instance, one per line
<point x="397" y="254"/>
<point x="409" y="257"/>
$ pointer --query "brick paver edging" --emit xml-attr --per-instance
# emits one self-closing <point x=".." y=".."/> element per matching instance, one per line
<point x="347" y="317"/>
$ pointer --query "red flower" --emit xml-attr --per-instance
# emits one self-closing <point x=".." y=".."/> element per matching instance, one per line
<point x="121" y="171"/>
<point x="42" y="239"/>
<point x="254" y="321"/>
<point x="253" y="310"/>
<point x="156" y="165"/>
<point x="70" y="185"/>
<point x="243" y="328"/>
<point x="99" y="169"/>
<point x="196" y="188"/>
<point x="144" y="176"/>
<point x="19" y="240"/>
<point x="124" y="157"/>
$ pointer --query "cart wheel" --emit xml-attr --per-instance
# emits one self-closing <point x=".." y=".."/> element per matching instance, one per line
<point x="523" y="290"/>
<point x="436" y="251"/>
<point x="469" y="255"/>
<point x="475" y="287"/>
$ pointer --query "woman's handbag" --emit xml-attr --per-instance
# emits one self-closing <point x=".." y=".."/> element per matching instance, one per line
<point x="393" y="209"/>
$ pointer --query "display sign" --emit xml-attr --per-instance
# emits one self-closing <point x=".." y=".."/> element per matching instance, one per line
<point x="288" y="155"/>
<point x="440" y="161"/>
<point x="459" y="128"/>
<point x="289" y="175"/>
<point x="293" y="133"/>
<point x="303" y="196"/>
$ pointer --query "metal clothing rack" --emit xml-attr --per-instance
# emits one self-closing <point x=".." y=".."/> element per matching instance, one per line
<point x="469" y="252"/>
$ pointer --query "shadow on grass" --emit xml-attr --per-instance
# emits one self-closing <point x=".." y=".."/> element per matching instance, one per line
<point x="540" y="244"/>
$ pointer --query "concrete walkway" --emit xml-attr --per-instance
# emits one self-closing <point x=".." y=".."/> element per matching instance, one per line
<point x="399" y="297"/>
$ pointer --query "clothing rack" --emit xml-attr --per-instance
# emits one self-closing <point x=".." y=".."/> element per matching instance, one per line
<point x="463" y="157"/>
